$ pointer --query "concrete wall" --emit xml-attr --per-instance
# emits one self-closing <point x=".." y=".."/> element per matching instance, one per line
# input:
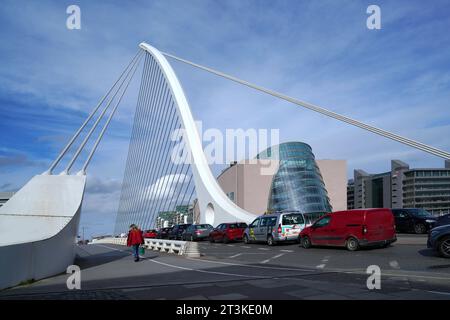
<point x="249" y="183"/>
<point x="334" y="174"/>
<point x="252" y="188"/>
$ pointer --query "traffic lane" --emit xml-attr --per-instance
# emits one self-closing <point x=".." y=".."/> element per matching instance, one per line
<point x="396" y="257"/>
<point x="175" y="277"/>
<point x="160" y="269"/>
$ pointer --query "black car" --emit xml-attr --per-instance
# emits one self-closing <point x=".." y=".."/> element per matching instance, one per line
<point x="163" y="233"/>
<point x="439" y="240"/>
<point x="413" y="220"/>
<point x="443" y="220"/>
<point x="177" y="231"/>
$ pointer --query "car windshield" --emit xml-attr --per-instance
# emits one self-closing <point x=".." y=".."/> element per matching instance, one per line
<point x="242" y="225"/>
<point x="290" y="219"/>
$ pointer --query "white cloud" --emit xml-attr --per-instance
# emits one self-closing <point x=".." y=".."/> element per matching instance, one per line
<point x="166" y="186"/>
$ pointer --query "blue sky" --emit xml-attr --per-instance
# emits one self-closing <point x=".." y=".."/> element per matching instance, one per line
<point x="396" y="78"/>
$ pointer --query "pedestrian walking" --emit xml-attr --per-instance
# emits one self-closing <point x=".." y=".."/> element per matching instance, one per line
<point x="134" y="240"/>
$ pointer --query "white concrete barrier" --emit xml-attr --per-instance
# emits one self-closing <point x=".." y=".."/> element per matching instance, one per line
<point x="117" y="241"/>
<point x="186" y="248"/>
<point x="38" y="228"/>
<point x="169" y="246"/>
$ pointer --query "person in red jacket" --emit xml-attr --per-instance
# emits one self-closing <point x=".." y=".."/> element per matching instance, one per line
<point x="134" y="240"/>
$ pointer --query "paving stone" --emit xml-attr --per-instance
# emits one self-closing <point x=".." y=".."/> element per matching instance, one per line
<point x="229" y="296"/>
<point x="327" y="296"/>
<point x="197" y="285"/>
<point x="197" y="297"/>
<point x="302" y="293"/>
<point x="269" y="283"/>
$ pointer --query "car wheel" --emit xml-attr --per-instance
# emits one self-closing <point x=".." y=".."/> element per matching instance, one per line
<point x="270" y="241"/>
<point x="444" y="247"/>
<point x="420" y="228"/>
<point x="211" y="239"/>
<point x="246" y="239"/>
<point x="352" y="244"/>
<point x="306" y="242"/>
<point x="225" y="239"/>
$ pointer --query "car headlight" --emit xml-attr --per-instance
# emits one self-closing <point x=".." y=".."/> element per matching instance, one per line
<point x="430" y="221"/>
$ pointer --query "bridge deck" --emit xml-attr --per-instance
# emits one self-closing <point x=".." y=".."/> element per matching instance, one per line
<point x="237" y="271"/>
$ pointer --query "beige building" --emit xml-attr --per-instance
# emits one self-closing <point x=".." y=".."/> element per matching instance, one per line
<point x="248" y="183"/>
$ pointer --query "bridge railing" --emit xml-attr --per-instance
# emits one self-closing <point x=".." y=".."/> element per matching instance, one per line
<point x="185" y="248"/>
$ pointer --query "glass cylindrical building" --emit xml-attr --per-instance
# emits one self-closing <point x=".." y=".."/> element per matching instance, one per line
<point x="298" y="183"/>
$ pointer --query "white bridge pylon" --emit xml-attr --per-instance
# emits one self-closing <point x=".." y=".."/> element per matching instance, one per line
<point x="215" y="207"/>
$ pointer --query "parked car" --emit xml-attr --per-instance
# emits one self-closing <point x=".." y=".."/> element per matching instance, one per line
<point x="177" y="231"/>
<point x="439" y="240"/>
<point x="197" y="232"/>
<point x="227" y="232"/>
<point x="150" y="234"/>
<point x="442" y="220"/>
<point x="352" y="229"/>
<point x="275" y="227"/>
<point x="163" y="233"/>
<point x="413" y="220"/>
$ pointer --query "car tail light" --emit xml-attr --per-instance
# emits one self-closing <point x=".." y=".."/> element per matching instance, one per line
<point x="279" y="228"/>
<point x="198" y="232"/>
<point x="364" y="229"/>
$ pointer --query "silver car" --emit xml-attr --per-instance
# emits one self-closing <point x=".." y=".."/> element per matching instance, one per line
<point x="197" y="232"/>
<point x="276" y="227"/>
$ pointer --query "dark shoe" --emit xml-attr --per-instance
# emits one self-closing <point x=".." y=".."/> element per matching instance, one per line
<point x="136" y="259"/>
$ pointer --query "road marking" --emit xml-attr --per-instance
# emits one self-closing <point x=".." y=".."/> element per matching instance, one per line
<point x="265" y="249"/>
<point x="204" y="271"/>
<point x="307" y="268"/>
<point x="251" y="266"/>
<point x="324" y="262"/>
<point x="236" y="255"/>
<point x="101" y="245"/>
<point x="394" y="264"/>
<point x="439" y="292"/>
<point x="273" y="258"/>
<point x="230" y="245"/>
<point x="246" y="247"/>
<point x="287" y="250"/>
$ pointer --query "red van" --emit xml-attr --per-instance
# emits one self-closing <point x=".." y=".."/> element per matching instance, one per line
<point x="352" y="229"/>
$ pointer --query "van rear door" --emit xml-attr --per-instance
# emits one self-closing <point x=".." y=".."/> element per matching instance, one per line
<point x="292" y="224"/>
<point x="380" y="225"/>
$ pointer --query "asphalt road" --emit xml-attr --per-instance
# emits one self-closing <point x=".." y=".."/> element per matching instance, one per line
<point x="237" y="271"/>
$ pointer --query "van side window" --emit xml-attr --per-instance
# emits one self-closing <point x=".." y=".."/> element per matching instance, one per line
<point x="254" y="223"/>
<point x="272" y="221"/>
<point x="264" y="222"/>
<point x="323" y="222"/>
